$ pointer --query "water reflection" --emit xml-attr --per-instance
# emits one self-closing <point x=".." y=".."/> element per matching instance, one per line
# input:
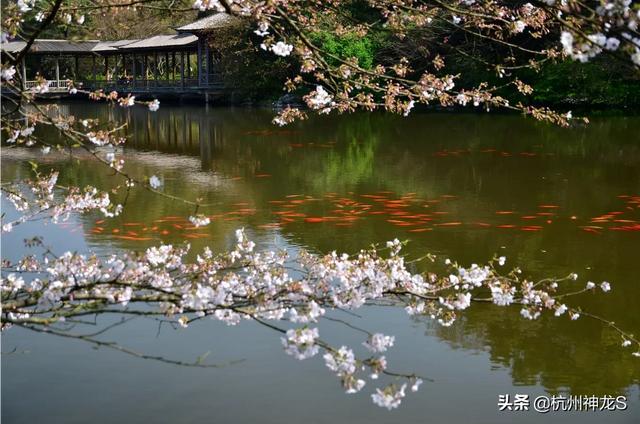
<point x="460" y="186"/>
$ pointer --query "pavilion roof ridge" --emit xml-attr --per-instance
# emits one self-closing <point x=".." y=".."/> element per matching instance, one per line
<point x="216" y="20"/>
<point x="160" y="41"/>
<point x="66" y="40"/>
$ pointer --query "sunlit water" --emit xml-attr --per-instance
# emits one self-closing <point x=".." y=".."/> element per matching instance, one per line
<point x="460" y="186"/>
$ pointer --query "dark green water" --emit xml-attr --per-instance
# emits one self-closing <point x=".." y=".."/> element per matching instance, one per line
<point x="460" y="186"/>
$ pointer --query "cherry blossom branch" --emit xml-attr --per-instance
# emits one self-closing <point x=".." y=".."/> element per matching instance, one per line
<point x="198" y="363"/>
<point x="244" y="284"/>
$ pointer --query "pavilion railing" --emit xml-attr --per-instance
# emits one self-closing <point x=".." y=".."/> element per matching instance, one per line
<point x="53" y="85"/>
<point x="153" y="84"/>
<point x="137" y="85"/>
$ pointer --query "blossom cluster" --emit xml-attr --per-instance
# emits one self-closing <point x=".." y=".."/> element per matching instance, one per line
<point x="43" y="197"/>
<point x="245" y="284"/>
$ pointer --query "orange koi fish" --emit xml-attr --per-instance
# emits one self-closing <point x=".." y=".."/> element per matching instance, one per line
<point x="343" y="218"/>
<point x="314" y="219"/>
<point x="133" y="238"/>
<point x="269" y="226"/>
<point x="626" y="228"/>
<point x="531" y="228"/>
<point x="295" y="215"/>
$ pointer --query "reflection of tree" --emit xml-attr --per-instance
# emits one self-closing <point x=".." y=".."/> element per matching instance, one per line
<point x="580" y="357"/>
<point x="339" y="169"/>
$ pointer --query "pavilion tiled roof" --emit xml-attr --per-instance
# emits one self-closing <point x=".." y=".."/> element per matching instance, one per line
<point x="184" y="38"/>
<point x="161" y="41"/>
<point x="51" y="46"/>
<point x="112" y="46"/>
<point x="13" y="46"/>
<point x="217" y="20"/>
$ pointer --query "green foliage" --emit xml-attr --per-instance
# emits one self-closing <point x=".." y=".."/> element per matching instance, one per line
<point x="598" y="83"/>
<point x="347" y="46"/>
<point x="248" y="72"/>
<point x="601" y="83"/>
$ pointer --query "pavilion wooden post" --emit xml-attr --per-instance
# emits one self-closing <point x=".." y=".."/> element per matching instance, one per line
<point x="23" y="66"/>
<point x="145" y="69"/>
<point x="182" y="69"/>
<point x="115" y="70"/>
<point x="57" y="71"/>
<point x="207" y="61"/>
<point x="188" y="65"/>
<point x="124" y="67"/>
<point x="93" y="70"/>
<point x="106" y="69"/>
<point x="76" y="67"/>
<point x="173" y="66"/>
<point x="166" y="65"/>
<point x="199" y="61"/>
<point x="155" y="68"/>
<point x="133" y="69"/>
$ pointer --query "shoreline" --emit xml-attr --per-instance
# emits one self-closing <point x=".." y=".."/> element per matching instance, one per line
<point x="219" y="101"/>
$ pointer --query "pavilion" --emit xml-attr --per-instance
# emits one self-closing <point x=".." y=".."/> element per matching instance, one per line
<point x="162" y="64"/>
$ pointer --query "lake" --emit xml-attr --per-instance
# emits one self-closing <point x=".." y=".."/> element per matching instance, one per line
<point x="462" y="186"/>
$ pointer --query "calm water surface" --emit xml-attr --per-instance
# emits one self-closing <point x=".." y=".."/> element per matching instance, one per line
<point x="465" y="187"/>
